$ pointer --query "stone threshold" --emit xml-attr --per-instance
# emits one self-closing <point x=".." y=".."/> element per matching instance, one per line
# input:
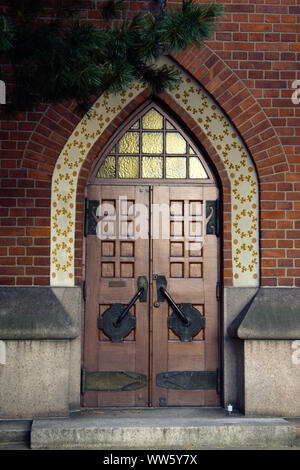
<point x="161" y="428"/>
<point x="15" y="431"/>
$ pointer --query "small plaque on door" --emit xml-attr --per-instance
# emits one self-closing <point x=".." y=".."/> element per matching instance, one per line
<point x="117" y="284"/>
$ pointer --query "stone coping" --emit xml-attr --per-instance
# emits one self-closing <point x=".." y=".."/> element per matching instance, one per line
<point x="271" y="314"/>
<point x="35" y="313"/>
<point x="54" y="313"/>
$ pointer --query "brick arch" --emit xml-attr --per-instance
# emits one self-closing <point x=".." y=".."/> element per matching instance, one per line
<point x="202" y="140"/>
<point x="198" y="106"/>
<point x="242" y="108"/>
<point x="54" y="123"/>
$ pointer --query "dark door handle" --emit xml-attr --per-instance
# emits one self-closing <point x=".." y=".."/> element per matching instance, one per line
<point x="116" y="321"/>
<point x="173" y="304"/>
<point x="126" y="309"/>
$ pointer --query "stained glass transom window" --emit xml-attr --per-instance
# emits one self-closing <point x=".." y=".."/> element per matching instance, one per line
<point x="152" y="148"/>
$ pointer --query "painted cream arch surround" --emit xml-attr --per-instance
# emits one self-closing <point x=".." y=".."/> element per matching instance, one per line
<point x="223" y="136"/>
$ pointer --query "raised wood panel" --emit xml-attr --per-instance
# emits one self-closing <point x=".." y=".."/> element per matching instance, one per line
<point x="186" y="356"/>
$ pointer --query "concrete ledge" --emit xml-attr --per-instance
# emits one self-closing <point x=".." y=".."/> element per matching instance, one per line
<point x="271" y="314"/>
<point x="33" y="313"/>
<point x="160" y="429"/>
<point x="35" y="381"/>
<point x="272" y="378"/>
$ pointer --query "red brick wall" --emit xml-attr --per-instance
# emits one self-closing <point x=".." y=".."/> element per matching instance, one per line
<point x="248" y="67"/>
<point x="30" y="147"/>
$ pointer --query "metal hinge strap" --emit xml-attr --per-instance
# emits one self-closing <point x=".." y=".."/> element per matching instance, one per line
<point x="82" y="382"/>
<point x="213" y="217"/>
<point x="84" y="290"/>
<point x="218" y="388"/>
<point x="188" y="380"/>
<point x="218" y="291"/>
<point x="112" y="380"/>
<point x="90" y="218"/>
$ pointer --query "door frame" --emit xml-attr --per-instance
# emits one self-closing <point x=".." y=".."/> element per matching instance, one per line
<point x="229" y="152"/>
<point x="151" y="285"/>
<point x="212" y="180"/>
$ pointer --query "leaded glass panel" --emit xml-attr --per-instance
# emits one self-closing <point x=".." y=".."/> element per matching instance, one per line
<point x="152" y="120"/>
<point x="197" y="169"/>
<point x="129" y="143"/>
<point x="128" y="167"/>
<point x="152" y="148"/>
<point x="175" y="143"/>
<point x="152" y="167"/>
<point x="108" y="168"/>
<point x="176" y="167"/>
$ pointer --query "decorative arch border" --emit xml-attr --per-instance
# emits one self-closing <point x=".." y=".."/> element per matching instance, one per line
<point x="222" y="135"/>
<point x="166" y="102"/>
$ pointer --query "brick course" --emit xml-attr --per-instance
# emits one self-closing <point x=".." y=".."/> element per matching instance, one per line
<point x="248" y="66"/>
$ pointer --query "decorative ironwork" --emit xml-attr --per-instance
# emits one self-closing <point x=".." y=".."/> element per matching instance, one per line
<point x="161" y="282"/>
<point x="107" y="323"/>
<point x="186" y="321"/>
<point x="180" y="314"/>
<point x="142" y="282"/>
<point x="212" y="216"/>
<point x="195" y="322"/>
<point x="117" y="321"/>
<point x="125" y="311"/>
<point x="91" y="219"/>
<point x="188" y="380"/>
<point x="112" y="380"/>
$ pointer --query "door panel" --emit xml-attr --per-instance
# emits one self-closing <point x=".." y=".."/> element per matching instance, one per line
<point x="177" y="248"/>
<point x="114" y="264"/>
<point x="191" y="278"/>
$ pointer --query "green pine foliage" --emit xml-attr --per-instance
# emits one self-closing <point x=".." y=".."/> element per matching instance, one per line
<point x="66" y="58"/>
<point x="6" y="34"/>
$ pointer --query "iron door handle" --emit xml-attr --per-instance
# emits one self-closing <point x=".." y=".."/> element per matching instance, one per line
<point x="126" y="309"/>
<point x="116" y="321"/>
<point x="181" y="315"/>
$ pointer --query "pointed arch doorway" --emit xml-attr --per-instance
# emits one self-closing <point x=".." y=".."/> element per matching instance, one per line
<point x="151" y="315"/>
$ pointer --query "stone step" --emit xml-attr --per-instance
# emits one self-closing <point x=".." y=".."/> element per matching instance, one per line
<point x="15" y="431"/>
<point x="296" y="423"/>
<point x="163" y="428"/>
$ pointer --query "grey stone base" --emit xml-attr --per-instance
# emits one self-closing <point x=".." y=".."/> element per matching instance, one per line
<point x="160" y="429"/>
<point x="272" y="378"/>
<point x="41" y="331"/>
<point x="262" y="351"/>
<point x="40" y="334"/>
<point x="35" y="379"/>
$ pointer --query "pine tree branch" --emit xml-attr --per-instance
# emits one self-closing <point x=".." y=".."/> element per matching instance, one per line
<point x="6" y="34"/>
<point x="69" y="59"/>
<point x="192" y="25"/>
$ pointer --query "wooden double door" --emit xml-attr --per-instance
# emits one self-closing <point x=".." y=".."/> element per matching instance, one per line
<point x="149" y="244"/>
